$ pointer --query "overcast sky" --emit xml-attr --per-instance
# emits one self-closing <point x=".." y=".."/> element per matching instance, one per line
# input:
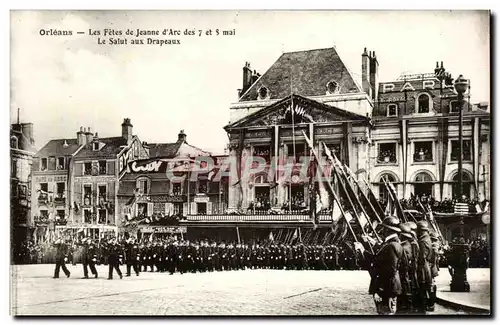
<point x="62" y="83"/>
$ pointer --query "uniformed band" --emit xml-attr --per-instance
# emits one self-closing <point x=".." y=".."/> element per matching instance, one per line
<point x="402" y="268"/>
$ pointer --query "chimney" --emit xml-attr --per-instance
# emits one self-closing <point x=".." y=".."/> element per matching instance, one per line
<point x="247" y="77"/>
<point x="181" y="137"/>
<point x="365" y="73"/>
<point x="374" y="75"/>
<point x="27" y="130"/>
<point x="89" y="136"/>
<point x="127" y="130"/>
<point x="80" y="136"/>
<point x="255" y="76"/>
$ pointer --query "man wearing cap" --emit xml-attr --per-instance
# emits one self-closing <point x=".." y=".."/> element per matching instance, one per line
<point x="132" y="256"/>
<point x="385" y="284"/>
<point x="61" y="258"/>
<point x="424" y="275"/>
<point x="89" y="256"/>
<point x="114" y="253"/>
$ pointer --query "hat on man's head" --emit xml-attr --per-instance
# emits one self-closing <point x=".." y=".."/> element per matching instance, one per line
<point x="391" y="223"/>
<point x="422" y="226"/>
<point x="406" y="230"/>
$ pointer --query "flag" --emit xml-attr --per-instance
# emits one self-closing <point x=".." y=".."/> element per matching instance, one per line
<point x="295" y="234"/>
<point x="363" y="220"/>
<point x="348" y="216"/>
<point x="271" y="237"/>
<point x="336" y="212"/>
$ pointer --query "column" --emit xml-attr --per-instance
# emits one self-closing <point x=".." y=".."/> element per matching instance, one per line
<point x="233" y="191"/>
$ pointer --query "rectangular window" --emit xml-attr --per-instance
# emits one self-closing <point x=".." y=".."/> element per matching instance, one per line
<point x="178" y="209"/>
<point x="455" y="150"/>
<point x="13" y="168"/>
<point x="102" y="193"/>
<point x="262" y="200"/>
<point x="176" y="189"/>
<point x="386" y="153"/>
<point x="392" y="110"/>
<point x="263" y="152"/>
<point x="44" y="214"/>
<point x="87" y="194"/>
<point x="454" y="107"/>
<point x="23" y="191"/>
<point x="43" y="164"/>
<point x="60" y="163"/>
<point x="423" y="151"/>
<point x="102" y="216"/>
<point x="61" y="214"/>
<point x="44" y="188"/>
<point x="142" y="209"/>
<point x="335" y="150"/>
<point x="95" y="146"/>
<point x="202" y="186"/>
<point x="297" y="197"/>
<point x="61" y="190"/>
<point x="87" y="216"/>
<point x="300" y="150"/>
<point x="102" y="167"/>
<point x="87" y="168"/>
<point x="201" y="208"/>
<point x="143" y="186"/>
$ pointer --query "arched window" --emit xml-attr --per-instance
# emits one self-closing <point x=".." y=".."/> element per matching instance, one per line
<point x="382" y="190"/>
<point x="143" y="185"/>
<point x="392" y="110"/>
<point x="423" y="186"/>
<point x="13" y="142"/>
<point x="423" y="103"/>
<point x="261" y="179"/>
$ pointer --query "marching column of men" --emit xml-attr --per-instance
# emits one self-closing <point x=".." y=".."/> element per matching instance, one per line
<point x="404" y="268"/>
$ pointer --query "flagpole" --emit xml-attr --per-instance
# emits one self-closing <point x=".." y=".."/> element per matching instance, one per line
<point x="366" y="199"/>
<point x="330" y="186"/>
<point x="292" y="112"/>
<point x="377" y="206"/>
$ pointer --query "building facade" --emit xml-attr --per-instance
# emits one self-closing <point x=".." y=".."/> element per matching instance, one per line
<point x="147" y="193"/>
<point x="77" y="180"/>
<point x="22" y="151"/>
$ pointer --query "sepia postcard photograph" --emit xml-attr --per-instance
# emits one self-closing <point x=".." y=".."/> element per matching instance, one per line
<point x="250" y="163"/>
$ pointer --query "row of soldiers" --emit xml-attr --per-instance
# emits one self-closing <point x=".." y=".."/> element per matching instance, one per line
<point x="185" y="256"/>
<point x="404" y="267"/>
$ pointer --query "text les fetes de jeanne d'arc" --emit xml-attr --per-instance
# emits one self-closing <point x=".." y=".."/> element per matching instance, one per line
<point x="166" y="36"/>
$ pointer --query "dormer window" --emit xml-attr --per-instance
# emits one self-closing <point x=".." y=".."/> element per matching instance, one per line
<point x="423" y="104"/>
<point x="43" y="164"/>
<point x="263" y="93"/>
<point x="95" y="146"/>
<point x="332" y="87"/>
<point x="392" y="110"/>
<point x="60" y="163"/>
<point x="13" y="142"/>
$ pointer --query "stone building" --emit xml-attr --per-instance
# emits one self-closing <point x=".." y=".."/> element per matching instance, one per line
<point x="78" y="179"/>
<point x="22" y="150"/>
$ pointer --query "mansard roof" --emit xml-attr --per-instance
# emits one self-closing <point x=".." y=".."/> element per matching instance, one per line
<point x="303" y="72"/>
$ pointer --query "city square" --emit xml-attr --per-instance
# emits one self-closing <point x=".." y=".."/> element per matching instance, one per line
<point x="227" y="293"/>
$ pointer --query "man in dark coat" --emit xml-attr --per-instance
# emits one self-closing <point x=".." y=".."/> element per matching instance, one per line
<point x="424" y="275"/>
<point x="132" y="257"/>
<point x="434" y="265"/>
<point x="89" y="258"/>
<point x="114" y="255"/>
<point x="385" y="284"/>
<point x="407" y="271"/>
<point x="61" y="258"/>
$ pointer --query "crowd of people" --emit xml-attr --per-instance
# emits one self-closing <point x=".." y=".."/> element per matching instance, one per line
<point x="445" y="206"/>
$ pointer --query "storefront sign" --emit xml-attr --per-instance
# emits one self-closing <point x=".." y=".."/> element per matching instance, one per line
<point x="201" y="199"/>
<point x="163" y="230"/>
<point x="125" y="158"/>
<point x="176" y="198"/>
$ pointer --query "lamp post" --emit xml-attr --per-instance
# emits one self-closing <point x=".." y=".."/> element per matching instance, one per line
<point x="461" y="85"/>
<point x="460" y="250"/>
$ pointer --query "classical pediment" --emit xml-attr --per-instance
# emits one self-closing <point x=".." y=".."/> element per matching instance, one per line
<point x="304" y="111"/>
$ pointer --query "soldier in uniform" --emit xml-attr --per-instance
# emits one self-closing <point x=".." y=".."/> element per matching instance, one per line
<point x="61" y="258"/>
<point x="132" y="256"/>
<point x="424" y="275"/>
<point x="385" y="284"/>
<point x="434" y="265"/>
<point x="89" y="257"/>
<point x="407" y="271"/>
<point x="114" y="254"/>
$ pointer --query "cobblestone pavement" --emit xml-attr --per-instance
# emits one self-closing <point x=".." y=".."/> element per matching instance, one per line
<point x="250" y="292"/>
